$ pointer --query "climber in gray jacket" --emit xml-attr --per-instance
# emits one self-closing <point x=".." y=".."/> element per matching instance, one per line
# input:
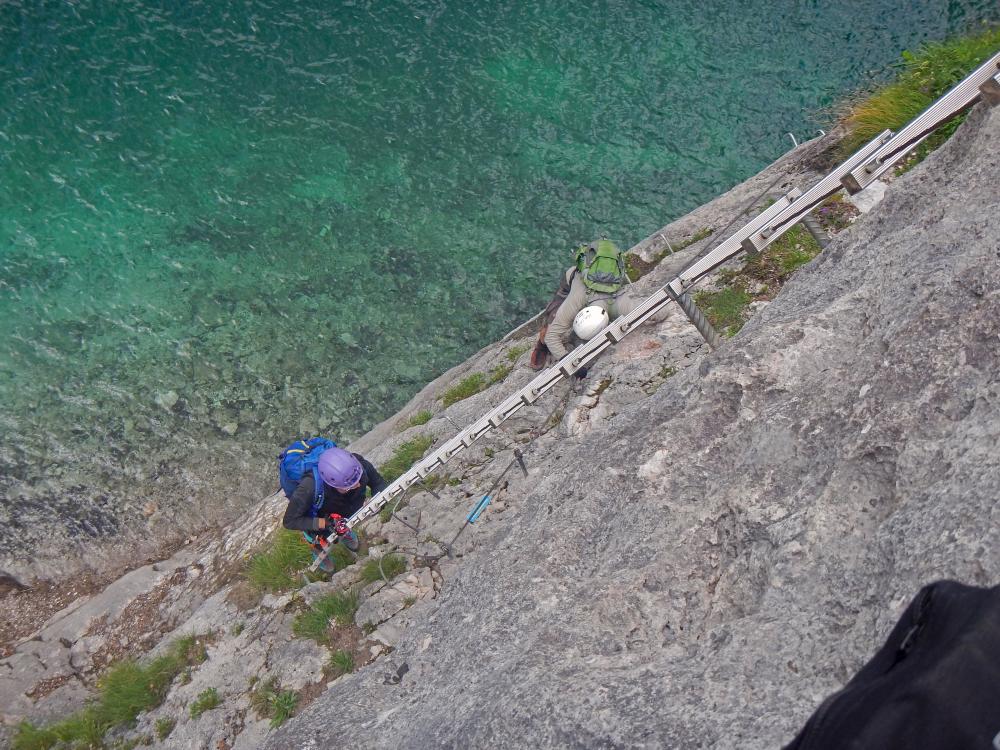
<point x="598" y="279"/>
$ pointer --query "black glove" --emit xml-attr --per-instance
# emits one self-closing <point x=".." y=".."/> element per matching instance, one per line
<point x="581" y="373"/>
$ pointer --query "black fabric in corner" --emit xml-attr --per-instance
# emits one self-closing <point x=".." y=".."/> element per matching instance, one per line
<point x="934" y="685"/>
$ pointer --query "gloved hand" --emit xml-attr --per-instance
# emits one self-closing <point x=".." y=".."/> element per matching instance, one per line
<point x="581" y="373"/>
<point x="338" y="524"/>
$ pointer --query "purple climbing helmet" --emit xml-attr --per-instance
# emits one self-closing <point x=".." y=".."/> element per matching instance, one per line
<point x="339" y="469"/>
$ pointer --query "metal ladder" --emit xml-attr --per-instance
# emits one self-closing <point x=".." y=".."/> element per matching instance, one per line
<point x="860" y="170"/>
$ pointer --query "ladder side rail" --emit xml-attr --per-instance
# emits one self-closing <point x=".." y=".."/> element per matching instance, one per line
<point x="732" y="245"/>
<point x="868" y="163"/>
<point x="962" y="96"/>
<point x="810" y="199"/>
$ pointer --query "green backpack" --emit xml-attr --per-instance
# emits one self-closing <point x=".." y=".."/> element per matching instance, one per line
<point x="601" y="266"/>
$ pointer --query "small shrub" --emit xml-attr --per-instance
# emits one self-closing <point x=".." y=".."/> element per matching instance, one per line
<point x="421" y="417"/>
<point x="405" y="456"/>
<point x="207" y="700"/>
<point x="236" y="629"/>
<point x="389" y="565"/>
<point x="164" y="727"/>
<point x="315" y="622"/>
<point x="341" y="662"/>
<point x="277" y="568"/>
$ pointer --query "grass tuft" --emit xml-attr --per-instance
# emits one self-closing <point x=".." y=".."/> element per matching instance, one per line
<point x="283" y="707"/>
<point x="515" y="352"/>
<point x="207" y="699"/>
<point x="124" y="691"/>
<point x="315" y="622"/>
<point x="164" y="727"/>
<point x="466" y="387"/>
<point x="924" y="76"/>
<point x="341" y="663"/>
<point x="475" y="383"/>
<point x="277" y="568"/>
<point x="391" y="566"/>
<point x="405" y="456"/>
<point x="421" y="417"/>
<point x="269" y="701"/>
<point x="725" y="308"/>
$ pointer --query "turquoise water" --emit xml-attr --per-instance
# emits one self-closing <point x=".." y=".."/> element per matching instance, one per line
<point x="226" y="224"/>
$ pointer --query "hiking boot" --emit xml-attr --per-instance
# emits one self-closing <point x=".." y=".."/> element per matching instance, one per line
<point x="350" y="540"/>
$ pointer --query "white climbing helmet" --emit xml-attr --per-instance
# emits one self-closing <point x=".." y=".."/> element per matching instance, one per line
<point x="589" y="321"/>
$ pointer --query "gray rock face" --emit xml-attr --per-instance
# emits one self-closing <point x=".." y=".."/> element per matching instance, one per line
<point x="702" y="566"/>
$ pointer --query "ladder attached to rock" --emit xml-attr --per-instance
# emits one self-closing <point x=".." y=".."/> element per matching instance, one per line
<point x="857" y="172"/>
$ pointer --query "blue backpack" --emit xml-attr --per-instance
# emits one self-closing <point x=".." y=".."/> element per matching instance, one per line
<point x="296" y="460"/>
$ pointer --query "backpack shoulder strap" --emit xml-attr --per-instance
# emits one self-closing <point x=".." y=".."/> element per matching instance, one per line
<point x="317" y="490"/>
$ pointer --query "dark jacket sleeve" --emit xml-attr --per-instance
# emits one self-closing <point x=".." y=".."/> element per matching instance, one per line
<point x="298" y="514"/>
<point x="375" y="480"/>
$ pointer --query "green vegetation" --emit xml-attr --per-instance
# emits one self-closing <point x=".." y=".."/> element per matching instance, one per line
<point x="277" y="569"/>
<point x="315" y="622"/>
<point x="725" y="308"/>
<point x="421" y="417"/>
<point x="467" y="386"/>
<point x="164" y="727"/>
<point x="385" y="513"/>
<point x="283" y="707"/>
<point x="499" y="374"/>
<point x="793" y="249"/>
<point x="124" y="691"/>
<point x="475" y="383"/>
<point x="391" y="566"/>
<point x="237" y="628"/>
<point x="761" y="276"/>
<point x="269" y="701"/>
<point x="835" y="214"/>
<point x="636" y="267"/>
<point x="515" y="352"/>
<point x="341" y="662"/>
<point x="405" y="456"/>
<point x="207" y="699"/>
<point x="924" y="76"/>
